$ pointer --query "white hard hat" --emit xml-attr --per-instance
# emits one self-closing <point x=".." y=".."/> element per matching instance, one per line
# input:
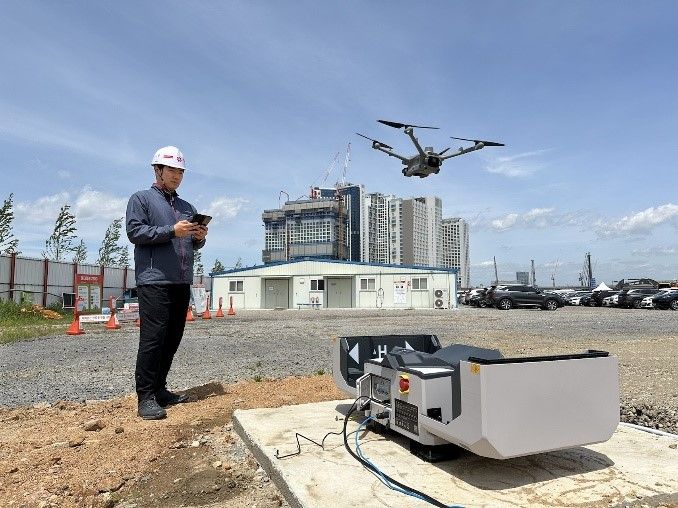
<point x="169" y="156"/>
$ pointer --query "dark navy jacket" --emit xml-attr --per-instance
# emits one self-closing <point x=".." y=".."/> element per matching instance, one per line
<point x="159" y="256"/>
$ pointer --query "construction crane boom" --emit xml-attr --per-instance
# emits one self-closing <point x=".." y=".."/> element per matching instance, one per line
<point x="347" y="161"/>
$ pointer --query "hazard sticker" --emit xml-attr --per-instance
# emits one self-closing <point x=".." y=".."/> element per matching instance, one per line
<point x="475" y="368"/>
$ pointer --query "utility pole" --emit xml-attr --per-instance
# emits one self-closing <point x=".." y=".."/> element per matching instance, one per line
<point x="533" y="275"/>
<point x="496" y="276"/>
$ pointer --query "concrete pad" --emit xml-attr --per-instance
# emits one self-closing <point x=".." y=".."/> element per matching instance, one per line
<point x="632" y="467"/>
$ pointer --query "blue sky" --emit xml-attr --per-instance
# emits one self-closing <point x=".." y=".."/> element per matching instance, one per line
<point x="261" y="95"/>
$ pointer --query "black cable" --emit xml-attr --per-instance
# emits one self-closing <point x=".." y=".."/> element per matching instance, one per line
<point x="297" y="436"/>
<point x="422" y="496"/>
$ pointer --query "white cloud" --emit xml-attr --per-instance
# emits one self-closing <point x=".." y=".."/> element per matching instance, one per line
<point x="535" y="218"/>
<point x="483" y="264"/>
<point x="43" y="210"/>
<point x="63" y="174"/>
<point x="516" y="166"/>
<point x="641" y="223"/>
<point x="89" y="205"/>
<point x="92" y="204"/>
<point x="506" y="222"/>
<point x="224" y="208"/>
<point x="655" y="251"/>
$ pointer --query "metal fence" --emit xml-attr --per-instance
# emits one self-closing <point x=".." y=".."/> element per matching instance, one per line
<point x="43" y="281"/>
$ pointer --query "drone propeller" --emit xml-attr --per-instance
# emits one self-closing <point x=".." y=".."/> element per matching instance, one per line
<point x="375" y="141"/>
<point x="398" y="125"/>
<point x="476" y="141"/>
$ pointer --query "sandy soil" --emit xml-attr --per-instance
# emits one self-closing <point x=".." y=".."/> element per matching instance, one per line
<point x="191" y="458"/>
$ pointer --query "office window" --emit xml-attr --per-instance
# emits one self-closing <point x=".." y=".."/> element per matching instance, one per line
<point x="235" y="286"/>
<point x="419" y="283"/>
<point x="367" y="284"/>
<point x="317" y="284"/>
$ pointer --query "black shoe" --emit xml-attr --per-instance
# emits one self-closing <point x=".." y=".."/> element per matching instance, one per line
<point x="166" y="398"/>
<point x="149" y="409"/>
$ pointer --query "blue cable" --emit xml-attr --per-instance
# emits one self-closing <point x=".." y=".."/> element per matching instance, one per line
<point x="378" y="472"/>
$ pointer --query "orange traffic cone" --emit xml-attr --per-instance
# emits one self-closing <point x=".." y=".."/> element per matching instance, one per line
<point x="231" y="311"/>
<point x="189" y="314"/>
<point x="75" y="328"/>
<point x="206" y="314"/>
<point x="220" y="312"/>
<point x="112" y="323"/>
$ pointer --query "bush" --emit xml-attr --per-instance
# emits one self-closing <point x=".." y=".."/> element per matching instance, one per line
<point x="27" y="311"/>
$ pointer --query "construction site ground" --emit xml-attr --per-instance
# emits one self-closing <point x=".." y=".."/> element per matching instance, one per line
<point x="77" y="452"/>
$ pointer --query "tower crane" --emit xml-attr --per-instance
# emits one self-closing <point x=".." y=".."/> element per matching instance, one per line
<point x="347" y="161"/>
<point x="329" y="169"/>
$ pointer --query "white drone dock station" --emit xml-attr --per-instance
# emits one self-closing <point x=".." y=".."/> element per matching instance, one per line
<point x="474" y="398"/>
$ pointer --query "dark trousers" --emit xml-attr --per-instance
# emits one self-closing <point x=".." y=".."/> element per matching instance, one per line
<point x="162" y="311"/>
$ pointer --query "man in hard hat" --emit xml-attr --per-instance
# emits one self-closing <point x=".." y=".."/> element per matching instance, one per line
<point x="159" y="225"/>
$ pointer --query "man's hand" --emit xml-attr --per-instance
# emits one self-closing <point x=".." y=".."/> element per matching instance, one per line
<point x="200" y="234"/>
<point x="185" y="228"/>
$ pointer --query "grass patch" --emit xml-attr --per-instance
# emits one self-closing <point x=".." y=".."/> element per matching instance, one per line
<point x="20" y="321"/>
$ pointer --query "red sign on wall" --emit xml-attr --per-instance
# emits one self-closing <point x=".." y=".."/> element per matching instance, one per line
<point x="84" y="278"/>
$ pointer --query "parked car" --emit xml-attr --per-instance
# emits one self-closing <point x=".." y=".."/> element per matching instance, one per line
<point x="646" y="303"/>
<point x="610" y="300"/>
<point x="666" y="300"/>
<point x="478" y="297"/>
<point x="633" y="297"/>
<point x="508" y="296"/>
<point x="597" y="297"/>
<point x="575" y="299"/>
<point x="587" y="301"/>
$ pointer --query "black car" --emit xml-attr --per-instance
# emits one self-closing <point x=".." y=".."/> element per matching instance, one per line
<point x="587" y="301"/>
<point x="633" y="297"/>
<point x="666" y="300"/>
<point x="507" y="297"/>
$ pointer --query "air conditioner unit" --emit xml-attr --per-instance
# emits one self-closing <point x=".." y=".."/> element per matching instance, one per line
<point x="441" y="298"/>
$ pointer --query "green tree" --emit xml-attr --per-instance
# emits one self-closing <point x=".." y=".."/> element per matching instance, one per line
<point x="80" y="253"/>
<point x="238" y="264"/>
<point x="60" y="242"/>
<point x="218" y="266"/>
<point x="109" y="252"/>
<point x="198" y="269"/>
<point x="8" y="244"/>
<point x="123" y="258"/>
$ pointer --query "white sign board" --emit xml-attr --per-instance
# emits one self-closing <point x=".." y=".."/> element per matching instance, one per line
<point x="94" y="318"/>
<point x="400" y="293"/>
<point x="127" y="315"/>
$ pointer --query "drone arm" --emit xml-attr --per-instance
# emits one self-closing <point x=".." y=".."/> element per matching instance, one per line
<point x="389" y="152"/>
<point x="410" y="132"/>
<point x="462" y="151"/>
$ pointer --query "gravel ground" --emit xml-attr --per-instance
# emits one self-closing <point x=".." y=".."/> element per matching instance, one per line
<point x="274" y="344"/>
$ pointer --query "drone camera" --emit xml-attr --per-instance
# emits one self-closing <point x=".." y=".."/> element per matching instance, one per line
<point x="433" y="162"/>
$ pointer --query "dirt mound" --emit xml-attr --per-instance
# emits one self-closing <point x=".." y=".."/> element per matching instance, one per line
<point x="101" y="454"/>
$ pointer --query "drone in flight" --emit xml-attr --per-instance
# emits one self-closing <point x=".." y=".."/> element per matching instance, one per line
<point x="426" y="161"/>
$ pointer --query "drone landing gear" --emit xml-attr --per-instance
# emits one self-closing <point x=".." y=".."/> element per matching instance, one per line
<point x="404" y="172"/>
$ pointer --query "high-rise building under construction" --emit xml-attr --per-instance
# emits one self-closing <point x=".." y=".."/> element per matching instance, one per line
<point x="346" y="223"/>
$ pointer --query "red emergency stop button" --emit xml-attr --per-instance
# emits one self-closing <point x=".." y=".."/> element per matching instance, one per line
<point x="404" y="383"/>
